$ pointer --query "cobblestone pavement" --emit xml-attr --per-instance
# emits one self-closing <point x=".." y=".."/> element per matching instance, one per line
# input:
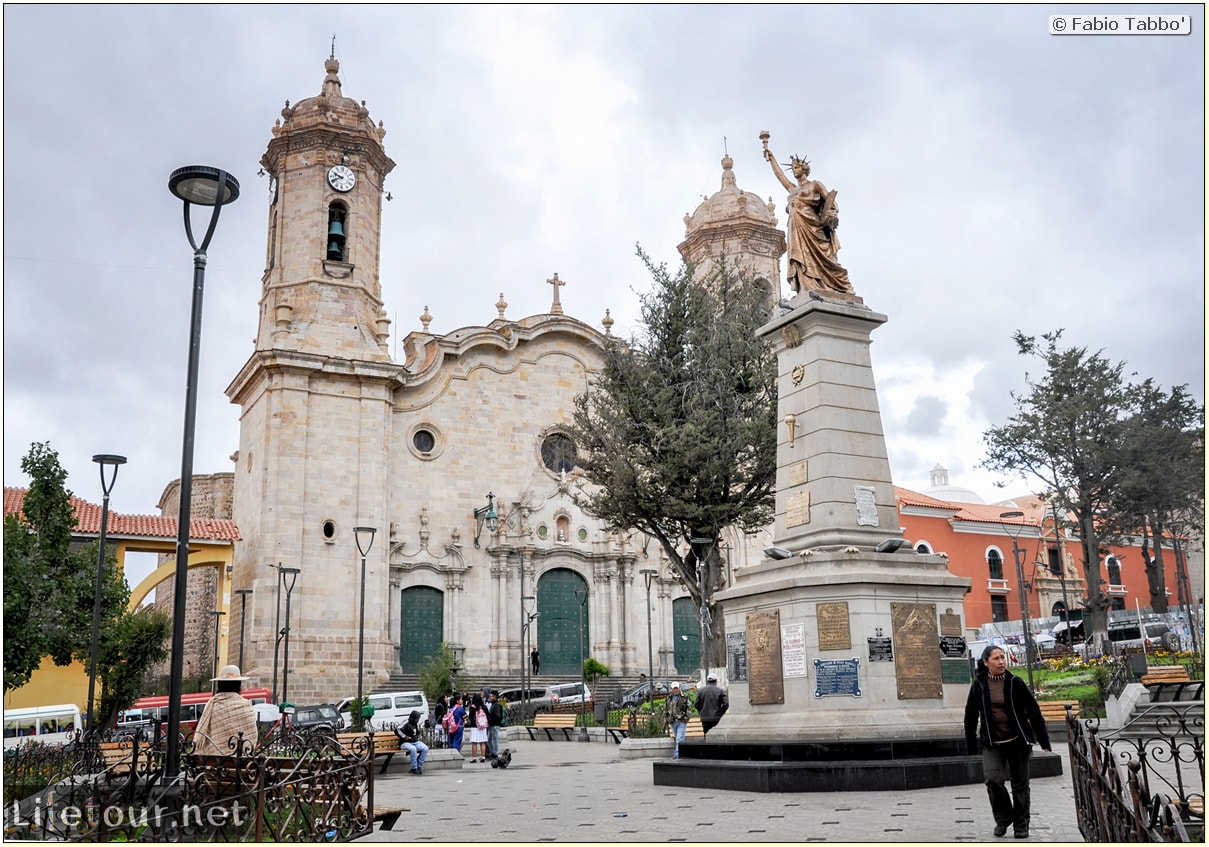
<point x="571" y="791"/>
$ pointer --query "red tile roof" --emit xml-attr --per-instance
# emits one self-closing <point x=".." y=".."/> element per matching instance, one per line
<point x="88" y="521"/>
<point x="975" y="512"/>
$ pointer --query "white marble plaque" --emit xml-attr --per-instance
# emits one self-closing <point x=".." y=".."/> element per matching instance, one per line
<point x="866" y="507"/>
<point x="797" y="509"/>
<point x="793" y="649"/>
<point x="797" y="474"/>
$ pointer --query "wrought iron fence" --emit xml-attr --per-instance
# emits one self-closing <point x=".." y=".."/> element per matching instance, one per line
<point x="302" y="787"/>
<point x="1144" y="781"/>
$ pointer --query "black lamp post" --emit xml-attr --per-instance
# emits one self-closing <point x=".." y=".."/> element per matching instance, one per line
<point x="486" y="515"/>
<point x="105" y="460"/>
<point x="276" y="627"/>
<point x="648" y="574"/>
<point x="365" y="540"/>
<point x="289" y="577"/>
<point x="1024" y="616"/>
<point x="702" y="576"/>
<point x="218" y="613"/>
<point x="581" y="594"/>
<point x="1061" y="570"/>
<point x="199" y="185"/>
<point x="243" y="617"/>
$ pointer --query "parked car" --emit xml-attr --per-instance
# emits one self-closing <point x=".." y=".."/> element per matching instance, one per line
<point x="539" y="699"/>
<point x="570" y="692"/>
<point x="389" y="709"/>
<point x="321" y="717"/>
<point x="638" y="694"/>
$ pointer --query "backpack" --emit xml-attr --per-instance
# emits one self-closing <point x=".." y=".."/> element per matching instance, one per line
<point x="480" y="718"/>
<point x="450" y="722"/>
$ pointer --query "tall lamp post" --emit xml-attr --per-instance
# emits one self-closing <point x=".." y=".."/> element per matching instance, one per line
<point x="1061" y="569"/>
<point x="105" y="460"/>
<point x="649" y="574"/>
<point x="289" y="577"/>
<point x="243" y="616"/>
<point x="581" y="594"/>
<point x="198" y="185"/>
<point x="276" y="626"/>
<point x="1024" y="616"/>
<point x="1183" y="586"/>
<point x="365" y="540"/>
<point x="218" y="613"/>
<point x="702" y="576"/>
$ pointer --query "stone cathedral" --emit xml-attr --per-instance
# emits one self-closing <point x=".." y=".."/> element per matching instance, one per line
<point x="336" y="434"/>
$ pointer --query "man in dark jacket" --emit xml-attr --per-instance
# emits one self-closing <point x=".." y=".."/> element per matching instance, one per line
<point x="495" y="719"/>
<point x="1002" y="714"/>
<point x="711" y="703"/>
<point x="409" y="740"/>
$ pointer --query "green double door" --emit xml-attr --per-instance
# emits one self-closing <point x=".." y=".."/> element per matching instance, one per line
<point x="558" y="627"/>
<point x="423" y="614"/>
<point x="686" y="631"/>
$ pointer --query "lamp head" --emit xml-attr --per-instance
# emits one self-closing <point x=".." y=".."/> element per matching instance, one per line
<point x="778" y="553"/>
<point x="365" y="538"/>
<point x="890" y="545"/>
<point x="200" y="185"/>
<point x="290" y="576"/>
<point x="104" y="459"/>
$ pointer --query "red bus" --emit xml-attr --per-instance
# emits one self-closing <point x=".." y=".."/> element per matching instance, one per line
<point x="147" y="709"/>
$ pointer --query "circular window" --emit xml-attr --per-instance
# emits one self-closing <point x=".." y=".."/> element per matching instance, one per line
<point x="543" y="531"/>
<point x="559" y="453"/>
<point x="424" y="440"/>
<point x="329" y="531"/>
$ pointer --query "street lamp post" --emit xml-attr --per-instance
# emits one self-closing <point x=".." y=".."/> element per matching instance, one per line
<point x="243" y="616"/>
<point x="276" y="626"/>
<point x="648" y="574"/>
<point x="289" y="577"/>
<point x="105" y="460"/>
<point x="199" y="185"/>
<point x="218" y="613"/>
<point x="1024" y="616"/>
<point x="581" y="594"/>
<point x="363" y="547"/>
<point x="702" y="576"/>
<point x="1061" y="570"/>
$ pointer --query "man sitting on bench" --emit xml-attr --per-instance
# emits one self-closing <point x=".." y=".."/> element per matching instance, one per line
<point x="409" y="740"/>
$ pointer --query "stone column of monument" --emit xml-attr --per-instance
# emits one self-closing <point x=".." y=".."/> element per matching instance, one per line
<point x="828" y="638"/>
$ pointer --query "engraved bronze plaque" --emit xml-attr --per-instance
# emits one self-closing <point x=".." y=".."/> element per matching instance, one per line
<point x="950" y="624"/>
<point x="955" y="671"/>
<point x="797" y="474"/>
<point x="834" y="633"/>
<point x="797" y="509"/>
<point x="765" y="684"/>
<point x="916" y="659"/>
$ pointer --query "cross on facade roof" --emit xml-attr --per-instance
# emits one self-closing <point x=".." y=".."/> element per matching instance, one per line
<point x="556" y="308"/>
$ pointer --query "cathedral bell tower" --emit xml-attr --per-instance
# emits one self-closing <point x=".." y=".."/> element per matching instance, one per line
<point x="316" y="402"/>
<point x="326" y="165"/>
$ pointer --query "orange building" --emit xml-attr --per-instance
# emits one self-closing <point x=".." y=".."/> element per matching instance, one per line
<point x="979" y="543"/>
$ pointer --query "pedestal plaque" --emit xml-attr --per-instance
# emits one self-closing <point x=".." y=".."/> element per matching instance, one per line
<point x="916" y="661"/>
<point x="797" y="509"/>
<point x="881" y="650"/>
<point x="793" y="650"/>
<point x="837" y="678"/>
<point x="736" y="656"/>
<point x="955" y="670"/>
<point x="952" y="646"/>
<point x="834" y="632"/>
<point x="950" y="624"/>
<point x="765" y="685"/>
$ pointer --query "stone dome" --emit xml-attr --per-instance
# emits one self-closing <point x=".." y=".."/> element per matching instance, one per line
<point x="329" y="108"/>
<point x="731" y="204"/>
<point x="942" y="490"/>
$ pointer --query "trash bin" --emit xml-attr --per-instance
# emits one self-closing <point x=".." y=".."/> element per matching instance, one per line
<point x="600" y="711"/>
<point x="1137" y="663"/>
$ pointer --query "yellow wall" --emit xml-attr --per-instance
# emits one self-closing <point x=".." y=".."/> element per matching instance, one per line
<point x="51" y="685"/>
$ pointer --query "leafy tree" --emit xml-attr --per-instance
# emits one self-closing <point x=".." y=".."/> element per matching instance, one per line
<point x="593" y="671"/>
<point x="1067" y="431"/>
<point x="435" y="678"/>
<point x="679" y="427"/>
<point x="50" y="591"/>
<point x="43" y="575"/>
<point x="1163" y="477"/>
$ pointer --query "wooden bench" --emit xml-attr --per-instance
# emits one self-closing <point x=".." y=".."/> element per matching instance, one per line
<point x="385" y="742"/>
<point x="1055" y="710"/>
<point x="548" y="722"/>
<point x="618" y="733"/>
<point x="693" y="728"/>
<point x="1165" y="673"/>
<point x="117" y="757"/>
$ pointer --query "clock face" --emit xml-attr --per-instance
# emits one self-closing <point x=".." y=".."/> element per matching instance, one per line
<point x="341" y="178"/>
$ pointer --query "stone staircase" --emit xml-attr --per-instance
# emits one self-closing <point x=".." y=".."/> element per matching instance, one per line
<point x="608" y="687"/>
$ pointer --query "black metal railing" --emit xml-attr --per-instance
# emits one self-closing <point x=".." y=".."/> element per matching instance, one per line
<point x="1142" y="782"/>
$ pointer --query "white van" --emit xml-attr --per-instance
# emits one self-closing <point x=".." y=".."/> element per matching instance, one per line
<point x="389" y="709"/>
<point x="46" y="724"/>
<point x="570" y="692"/>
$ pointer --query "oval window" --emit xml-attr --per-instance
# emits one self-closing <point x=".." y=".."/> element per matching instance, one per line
<point x="559" y="453"/>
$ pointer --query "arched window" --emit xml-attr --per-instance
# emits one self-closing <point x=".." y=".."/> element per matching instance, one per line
<point x="994" y="563"/>
<point x="1113" y="565"/>
<point x="337" y="233"/>
<point x="923" y="547"/>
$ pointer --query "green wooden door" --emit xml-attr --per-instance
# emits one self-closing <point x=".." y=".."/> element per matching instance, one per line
<point x="423" y="613"/>
<point x="686" y="630"/>
<point x="558" y="627"/>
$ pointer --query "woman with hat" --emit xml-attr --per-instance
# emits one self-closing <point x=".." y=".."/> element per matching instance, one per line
<point x="227" y="717"/>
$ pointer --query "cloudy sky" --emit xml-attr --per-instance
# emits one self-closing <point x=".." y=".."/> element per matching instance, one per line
<point x="991" y="177"/>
